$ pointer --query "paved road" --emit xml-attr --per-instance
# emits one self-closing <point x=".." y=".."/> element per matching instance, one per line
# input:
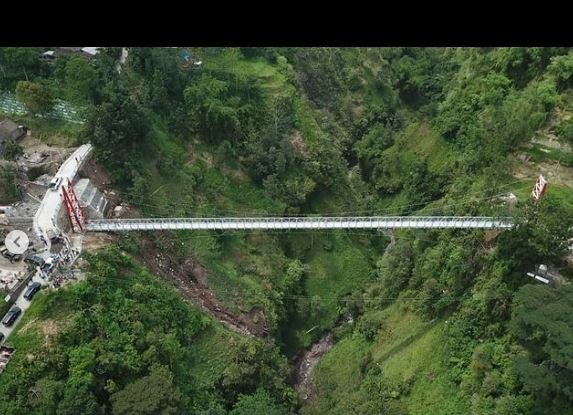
<point x="47" y="215"/>
<point x="46" y="220"/>
<point x="23" y="304"/>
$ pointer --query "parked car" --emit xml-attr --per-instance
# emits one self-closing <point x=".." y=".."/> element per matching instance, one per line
<point x="55" y="183"/>
<point x="49" y="264"/>
<point x="56" y="239"/>
<point x="9" y="255"/>
<point x="11" y="316"/>
<point x="32" y="290"/>
<point x="35" y="260"/>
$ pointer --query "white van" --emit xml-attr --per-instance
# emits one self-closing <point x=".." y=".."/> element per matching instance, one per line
<point x="55" y="183"/>
<point x="49" y="264"/>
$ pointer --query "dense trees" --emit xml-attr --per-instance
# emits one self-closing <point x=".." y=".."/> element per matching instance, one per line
<point x="487" y="114"/>
<point x="320" y="130"/>
<point x="18" y="64"/>
<point x="421" y="185"/>
<point x="9" y="192"/>
<point x="259" y="403"/>
<point x="225" y="103"/>
<point x="541" y="236"/>
<point x="211" y="106"/>
<point x="455" y="277"/>
<point x="151" y="394"/>
<point x="118" y="129"/>
<point x="81" y="79"/>
<point x="419" y="75"/>
<point x="542" y="323"/>
<point x="415" y="124"/>
<point x="255" y="363"/>
<point x="12" y="151"/>
<point x="319" y="72"/>
<point x="127" y="351"/>
<point x="36" y="97"/>
<point x="395" y="268"/>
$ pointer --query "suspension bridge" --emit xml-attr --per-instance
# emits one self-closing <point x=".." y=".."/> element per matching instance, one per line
<point x="287" y="223"/>
<point x="80" y="223"/>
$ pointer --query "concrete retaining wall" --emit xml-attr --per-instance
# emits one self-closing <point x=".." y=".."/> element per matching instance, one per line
<point x="21" y="286"/>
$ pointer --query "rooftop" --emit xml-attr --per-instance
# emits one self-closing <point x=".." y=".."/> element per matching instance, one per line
<point x="8" y="126"/>
<point x="7" y="129"/>
<point x="91" y="51"/>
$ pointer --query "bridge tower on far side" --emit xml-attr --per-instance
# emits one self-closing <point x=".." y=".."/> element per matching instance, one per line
<point x="539" y="188"/>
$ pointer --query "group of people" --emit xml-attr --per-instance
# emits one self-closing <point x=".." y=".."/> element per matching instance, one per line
<point x="68" y="255"/>
<point x="61" y="278"/>
<point x="7" y="282"/>
<point x="46" y="271"/>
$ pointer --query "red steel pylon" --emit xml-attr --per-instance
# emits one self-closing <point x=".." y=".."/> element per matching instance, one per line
<point x="539" y="188"/>
<point x="75" y="211"/>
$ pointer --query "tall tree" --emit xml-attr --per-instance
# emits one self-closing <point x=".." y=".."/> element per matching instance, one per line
<point x="543" y="323"/>
<point x="18" y="64"/>
<point x="118" y="128"/>
<point x="36" y="97"/>
<point x="152" y="394"/>
<point x="81" y="79"/>
<point x="209" y="104"/>
<point x="260" y="403"/>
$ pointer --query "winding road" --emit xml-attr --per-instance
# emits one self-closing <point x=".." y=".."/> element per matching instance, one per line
<point x="46" y="217"/>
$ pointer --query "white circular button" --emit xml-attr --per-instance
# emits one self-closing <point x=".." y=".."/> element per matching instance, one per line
<point x="17" y="242"/>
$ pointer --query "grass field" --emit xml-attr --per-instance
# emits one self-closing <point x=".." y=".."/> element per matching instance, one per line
<point x="338" y="264"/>
<point x="210" y="355"/>
<point x="50" y="131"/>
<point x="540" y="153"/>
<point x="412" y="365"/>
<point x="49" y="313"/>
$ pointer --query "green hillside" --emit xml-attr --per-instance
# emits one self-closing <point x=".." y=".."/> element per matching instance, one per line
<point x="441" y="322"/>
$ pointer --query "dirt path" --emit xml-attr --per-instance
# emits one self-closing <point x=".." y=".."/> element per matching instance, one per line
<point x="306" y="363"/>
<point x="93" y="241"/>
<point x="191" y="280"/>
<point x="551" y="169"/>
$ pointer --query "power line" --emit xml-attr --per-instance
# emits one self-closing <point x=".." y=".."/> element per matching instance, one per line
<point x="129" y="194"/>
<point x="396" y="210"/>
<point x="345" y="298"/>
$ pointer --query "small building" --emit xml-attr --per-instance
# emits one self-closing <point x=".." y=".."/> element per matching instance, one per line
<point x="91" y="52"/>
<point x="88" y="52"/>
<point x="49" y="55"/>
<point x="10" y="132"/>
<point x="67" y="51"/>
